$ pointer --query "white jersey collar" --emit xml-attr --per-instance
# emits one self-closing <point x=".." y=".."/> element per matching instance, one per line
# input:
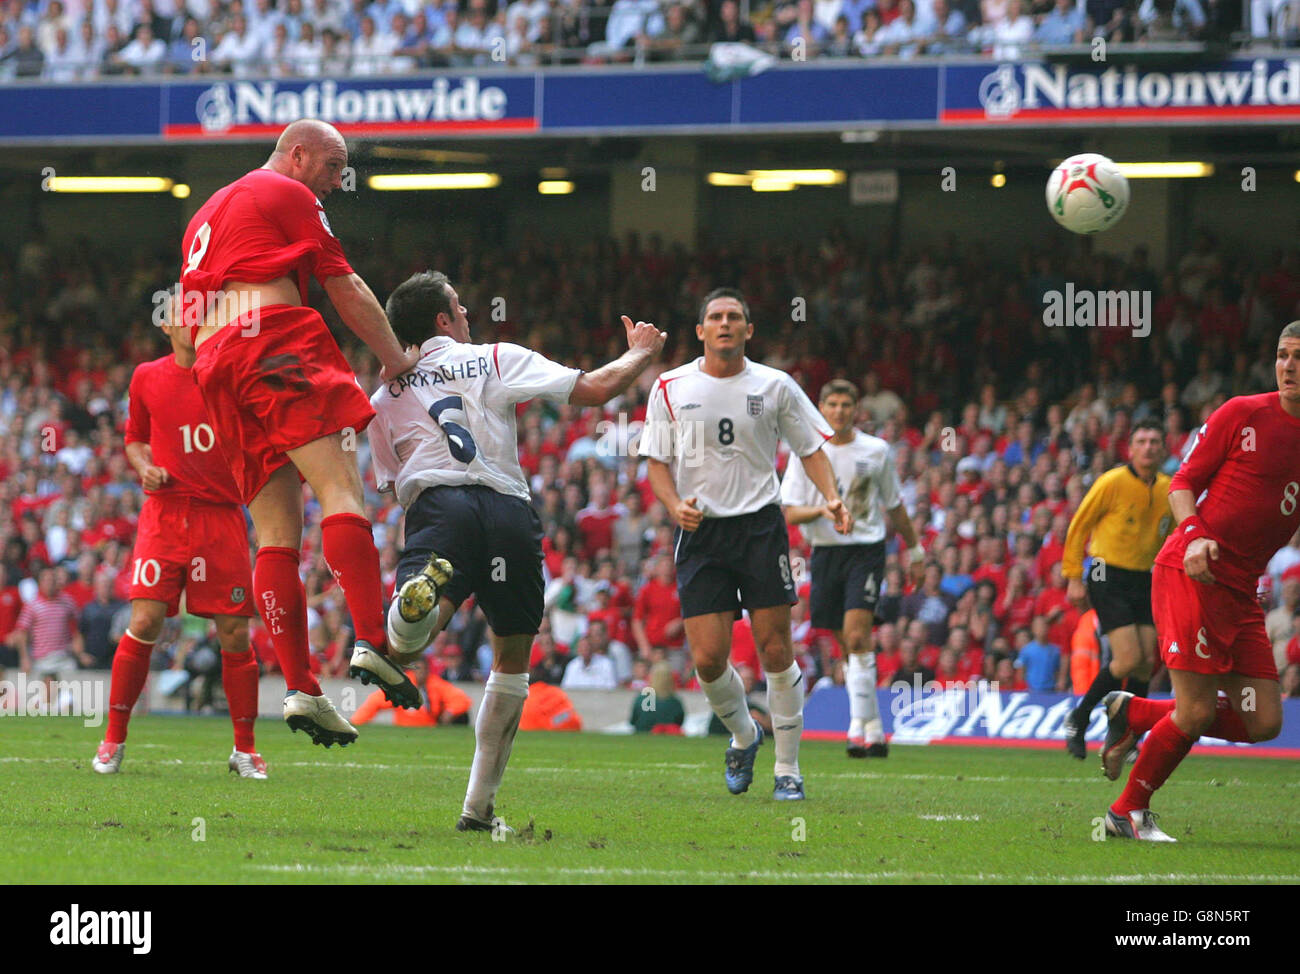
<point x="435" y="343"/>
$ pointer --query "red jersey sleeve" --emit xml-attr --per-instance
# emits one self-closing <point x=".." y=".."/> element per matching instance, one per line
<point x="1214" y="441"/>
<point x="137" y="417"/>
<point x="300" y="217"/>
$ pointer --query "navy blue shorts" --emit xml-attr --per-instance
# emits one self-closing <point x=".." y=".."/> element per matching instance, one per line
<point x="729" y="562"/>
<point x="494" y="543"/>
<point x="845" y="577"/>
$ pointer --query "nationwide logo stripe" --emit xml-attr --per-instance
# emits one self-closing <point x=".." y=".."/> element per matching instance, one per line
<point x="1180" y="112"/>
<point x="195" y="131"/>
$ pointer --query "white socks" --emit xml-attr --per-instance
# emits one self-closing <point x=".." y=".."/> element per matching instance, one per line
<point x="494" y="735"/>
<point x="410" y="637"/>
<point x="864" y="710"/>
<point x="785" y="701"/>
<point x="726" y="696"/>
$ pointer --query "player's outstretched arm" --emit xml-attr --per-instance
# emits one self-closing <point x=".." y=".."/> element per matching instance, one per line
<point x="818" y="468"/>
<point x="361" y="312"/>
<point x="644" y="342"/>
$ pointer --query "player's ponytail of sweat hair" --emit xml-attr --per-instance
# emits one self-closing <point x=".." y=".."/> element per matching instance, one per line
<point x="415" y="304"/>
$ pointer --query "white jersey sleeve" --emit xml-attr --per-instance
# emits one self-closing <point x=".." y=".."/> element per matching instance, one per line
<point x="798" y="420"/>
<point x="386" y="465"/>
<point x="528" y="375"/>
<point x="659" y="434"/>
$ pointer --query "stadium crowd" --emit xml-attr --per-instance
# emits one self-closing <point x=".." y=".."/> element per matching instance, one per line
<point x="78" y="40"/>
<point x="998" y="425"/>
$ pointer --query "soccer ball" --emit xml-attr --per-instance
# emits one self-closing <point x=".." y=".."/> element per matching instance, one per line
<point x="1087" y="193"/>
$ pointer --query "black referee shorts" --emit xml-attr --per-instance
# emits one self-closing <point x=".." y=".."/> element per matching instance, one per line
<point x="494" y="543"/>
<point x="845" y="577"/>
<point x="729" y="562"/>
<point x="1121" y="598"/>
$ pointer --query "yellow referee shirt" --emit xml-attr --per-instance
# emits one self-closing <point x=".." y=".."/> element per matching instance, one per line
<point x="1126" y="518"/>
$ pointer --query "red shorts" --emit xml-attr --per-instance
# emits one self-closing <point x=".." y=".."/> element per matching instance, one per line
<point x="276" y="386"/>
<point x="1209" y="629"/>
<point x="196" y="546"/>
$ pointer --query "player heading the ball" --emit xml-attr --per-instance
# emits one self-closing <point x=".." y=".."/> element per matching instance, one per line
<point x="281" y="397"/>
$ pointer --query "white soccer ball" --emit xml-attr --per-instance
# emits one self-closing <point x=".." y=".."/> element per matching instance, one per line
<point x="1087" y="193"/>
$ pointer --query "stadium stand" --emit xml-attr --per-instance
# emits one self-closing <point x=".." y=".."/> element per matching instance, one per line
<point x="993" y="463"/>
<point x="82" y="40"/>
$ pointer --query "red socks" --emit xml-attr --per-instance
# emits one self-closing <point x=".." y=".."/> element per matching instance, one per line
<point x="130" y="670"/>
<point x="283" y="604"/>
<point x="239" y="676"/>
<point x="1165" y="748"/>
<point x="1143" y="713"/>
<point x="1228" y="724"/>
<point x="349" y="548"/>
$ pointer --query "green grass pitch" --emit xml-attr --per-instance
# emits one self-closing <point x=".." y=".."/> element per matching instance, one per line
<point x="607" y="809"/>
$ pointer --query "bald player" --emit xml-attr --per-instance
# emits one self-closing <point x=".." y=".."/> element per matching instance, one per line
<point x="281" y="399"/>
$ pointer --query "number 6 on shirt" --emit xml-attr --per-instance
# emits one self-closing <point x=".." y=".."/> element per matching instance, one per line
<point x="459" y="440"/>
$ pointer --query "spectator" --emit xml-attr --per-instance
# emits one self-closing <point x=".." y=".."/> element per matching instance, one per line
<point x="1040" y="661"/>
<point x="729" y="28"/>
<point x="657" y="617"/>
<point x="658" y="705"/>
<point x="239" y="50"/>
<point x="99" y="630"/>
<point x="25" y="60"/>
<point x="47" y="637"/>
<point x="1063" y="25"/>
<point x="588" y="671"/>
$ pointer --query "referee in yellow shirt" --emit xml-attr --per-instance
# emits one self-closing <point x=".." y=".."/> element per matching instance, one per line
<point x="1123" y="520"/>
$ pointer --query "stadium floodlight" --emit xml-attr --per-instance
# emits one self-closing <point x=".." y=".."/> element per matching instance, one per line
<point x="1165" y="170"/>
<point x="801" y="177"/>
<point x="110" y="184"/>
<point x="181" y="191"/>
<point x="555" y="187"/>
<point x="998" y="180"/>
<point x="435" y="180"/>
<point x="764" y="184"/>
<point x="728" y="179"/>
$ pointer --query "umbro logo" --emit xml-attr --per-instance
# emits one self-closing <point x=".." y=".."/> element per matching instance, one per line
<point x="1173" y="648"/>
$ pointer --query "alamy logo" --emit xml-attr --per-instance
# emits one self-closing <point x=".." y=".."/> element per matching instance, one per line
<point x="73" y="928"/>
<point x="1098" y="309"/>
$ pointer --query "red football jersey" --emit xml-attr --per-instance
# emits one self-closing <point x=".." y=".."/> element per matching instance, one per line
<point x="167" y="412"/>
<point x="260" y="227"/>
<point x="1246" y="459"/>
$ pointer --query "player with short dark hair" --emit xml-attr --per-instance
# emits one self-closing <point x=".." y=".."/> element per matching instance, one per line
<point x="1237" y="501"/>
<point x="1124" y="519"/>
<point x="285" y="404"/>
<point x="444" y="438"/>
<point x="192" y="538"/>
<point x="711" y="435"/>
<point x="847" y="570"/>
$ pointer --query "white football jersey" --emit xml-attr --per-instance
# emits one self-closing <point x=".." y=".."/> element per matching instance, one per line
<point x="451" y="419"/>
<point x="719" y="436"/>
<point x="867" y="481"/>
